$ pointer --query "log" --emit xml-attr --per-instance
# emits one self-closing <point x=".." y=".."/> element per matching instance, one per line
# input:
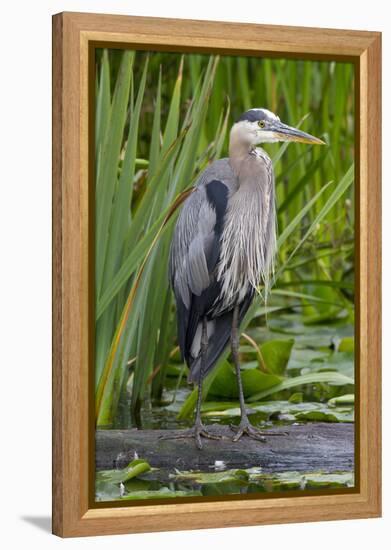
<point x="303" y="448"/>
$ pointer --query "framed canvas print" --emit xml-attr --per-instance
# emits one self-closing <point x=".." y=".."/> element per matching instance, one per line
<point x="216" y="296"/>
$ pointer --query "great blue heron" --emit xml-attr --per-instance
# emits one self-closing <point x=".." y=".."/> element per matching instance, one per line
<point x="223" y="247"/>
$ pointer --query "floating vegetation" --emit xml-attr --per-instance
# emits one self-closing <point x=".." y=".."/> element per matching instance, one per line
<point x="191" y="484"/>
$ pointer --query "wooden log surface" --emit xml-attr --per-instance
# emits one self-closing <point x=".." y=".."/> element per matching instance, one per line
<point x="328" y="447"/>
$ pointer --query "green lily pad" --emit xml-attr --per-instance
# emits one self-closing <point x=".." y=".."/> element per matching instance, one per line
<point x="253" y="380"/>
<point x="164" y="492"/>
<point x="135" y="468"/>
<point x="346" y="344"/>
<point x="105" y="490"/>
<point x="305" y="358"/>
<point x="296" y="397"/>
<point x="342" y="362"/>
<point x="215" y="406"/>
<point x="213" y="477"/>
<point x="347" y="399"/>
<point x="276" y="354"/>
<point x="329" y="481"/>
<point x="327" y="415"/>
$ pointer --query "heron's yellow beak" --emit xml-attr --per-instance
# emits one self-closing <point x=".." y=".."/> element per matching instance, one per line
<point x="286" y="133"/>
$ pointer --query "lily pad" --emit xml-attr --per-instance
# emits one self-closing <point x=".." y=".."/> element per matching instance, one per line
<point x="346" y="344"/>
<point x="326" y="415"/>
<point x="347" y="399"/>
<point x="305" y="358"/>
<point x="164" y="492"/>
<point x="296" y="397"/>
<point x="213" y="477"/>
<point x="253" y="380"/>
<point x="329" y="481"/>
<point x="342" y="362"/>
<point x="135" y="468"/>
<point x="276" y="354"/>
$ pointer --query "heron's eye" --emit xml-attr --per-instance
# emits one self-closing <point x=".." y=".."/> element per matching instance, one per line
<point x="261" y="123"/>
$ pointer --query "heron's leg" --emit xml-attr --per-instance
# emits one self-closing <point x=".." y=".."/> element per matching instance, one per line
<point x="244" y="426"/>
<point x="204" y="350"/>
<point x="198" y="430"/>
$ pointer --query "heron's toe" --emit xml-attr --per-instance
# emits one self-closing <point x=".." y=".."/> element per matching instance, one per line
<point x="245" y="428"/>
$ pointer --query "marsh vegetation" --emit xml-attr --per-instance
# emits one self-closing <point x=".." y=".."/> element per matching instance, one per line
<point x="160" y="119"/>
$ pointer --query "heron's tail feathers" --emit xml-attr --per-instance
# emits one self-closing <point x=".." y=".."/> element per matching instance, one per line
<point x="217" y="342"/>
<point x="219" y="332"/>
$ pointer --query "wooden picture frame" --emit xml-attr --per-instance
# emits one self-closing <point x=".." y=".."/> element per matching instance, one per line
<point x="74" y="37"/>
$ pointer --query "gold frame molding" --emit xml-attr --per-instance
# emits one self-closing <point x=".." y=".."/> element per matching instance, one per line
<point x="73" y="35"/>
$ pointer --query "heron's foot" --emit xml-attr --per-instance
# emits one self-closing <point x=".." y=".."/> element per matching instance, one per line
<point x="245" y="428"/>
<point x="197" y="431"/>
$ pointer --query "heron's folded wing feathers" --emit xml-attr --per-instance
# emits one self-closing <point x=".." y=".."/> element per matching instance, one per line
<point x="194" y="254"/>
<point x="199" y="261"/>
<point x="192" y="245"/>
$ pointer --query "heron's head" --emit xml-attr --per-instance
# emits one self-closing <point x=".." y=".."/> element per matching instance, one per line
<point x="260" y="126"/>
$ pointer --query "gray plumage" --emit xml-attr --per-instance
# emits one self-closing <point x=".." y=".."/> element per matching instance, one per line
<point x="224" y="246"/>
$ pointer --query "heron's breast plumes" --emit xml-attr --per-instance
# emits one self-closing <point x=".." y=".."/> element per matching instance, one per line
<point x="248" y="241"/>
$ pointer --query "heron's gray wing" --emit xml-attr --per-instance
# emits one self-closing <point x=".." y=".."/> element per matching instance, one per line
<point x="196" y="242"/>
<point x="193" y="256"/>
<point x="192" y="239"/>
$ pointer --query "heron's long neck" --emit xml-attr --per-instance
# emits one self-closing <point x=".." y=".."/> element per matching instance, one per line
<point x="239" y="153"/>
